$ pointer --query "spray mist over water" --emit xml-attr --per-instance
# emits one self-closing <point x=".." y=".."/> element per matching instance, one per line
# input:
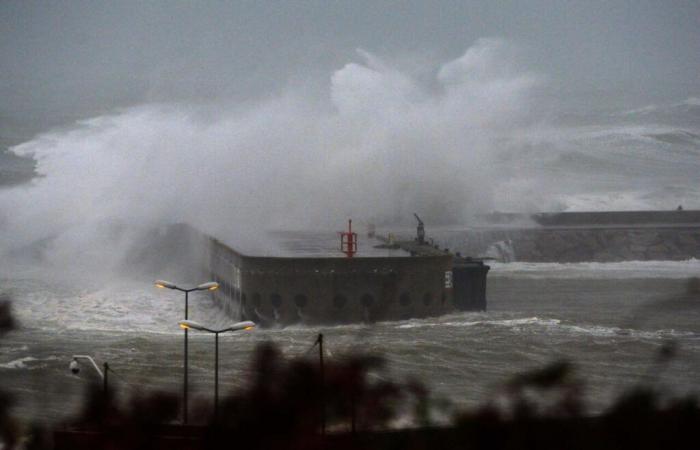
<point x="378" y="146"/>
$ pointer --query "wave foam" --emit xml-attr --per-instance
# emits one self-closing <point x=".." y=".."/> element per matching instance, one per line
<point x="25" y="362"/>
<point x="598" y="270"/>
<point x="551" y="325"/>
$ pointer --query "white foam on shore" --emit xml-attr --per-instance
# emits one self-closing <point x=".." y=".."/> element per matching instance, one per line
<point x="597" y="270"/>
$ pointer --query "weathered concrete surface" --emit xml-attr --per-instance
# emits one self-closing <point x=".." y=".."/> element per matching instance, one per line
<point x="468" y="274"/>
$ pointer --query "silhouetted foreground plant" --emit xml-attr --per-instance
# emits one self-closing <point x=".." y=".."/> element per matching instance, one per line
<point x="640" y="419"/>
<point x="286" y="402"/>
<point x="9" y="432"/>
<point x="7" y="323"/>
<point x="283" y="406"/>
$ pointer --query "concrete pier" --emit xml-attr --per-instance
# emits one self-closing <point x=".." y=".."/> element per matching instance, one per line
<point x="277" y="291"/>
<point x="468" y="282"/>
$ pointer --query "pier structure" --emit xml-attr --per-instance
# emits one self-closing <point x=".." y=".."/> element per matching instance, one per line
<point x="279" y="291"/>
<point x="468" y="277"/>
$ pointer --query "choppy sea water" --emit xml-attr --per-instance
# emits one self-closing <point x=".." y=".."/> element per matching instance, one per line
<point x="610" y="320"/>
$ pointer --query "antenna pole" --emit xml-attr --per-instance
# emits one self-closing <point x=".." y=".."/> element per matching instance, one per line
<point x="323" y="390"/>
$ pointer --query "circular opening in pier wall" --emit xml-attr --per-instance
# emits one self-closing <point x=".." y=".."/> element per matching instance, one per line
<point x="275" y="300"/>
<point x="300" y="300"/>
<point x="339" y="301"/>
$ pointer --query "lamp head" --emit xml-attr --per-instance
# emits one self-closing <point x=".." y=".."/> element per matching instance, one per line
<point x="246" y="326"/>
<point x="74" y="367"/>
<point x="165" y="284"/>
<point x="192" y="325"/>
<point x="210" y="286"/>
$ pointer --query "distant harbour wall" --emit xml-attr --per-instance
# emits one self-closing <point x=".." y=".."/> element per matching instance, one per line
<point x="580" y="237"/>
<point x="579" y="245"/>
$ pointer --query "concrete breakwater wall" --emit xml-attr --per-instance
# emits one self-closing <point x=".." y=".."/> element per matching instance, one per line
<point x="279" y="291"/>
<point x="580" y="237"/>
<point x="578" y="245"/>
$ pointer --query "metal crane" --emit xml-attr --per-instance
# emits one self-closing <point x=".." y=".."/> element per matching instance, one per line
<point x="420" y="231"/>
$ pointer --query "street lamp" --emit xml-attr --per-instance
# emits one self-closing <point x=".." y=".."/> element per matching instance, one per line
<point x="187" y="324"/>
<point x="210" y="286"/>
<point x="74" y="367"/>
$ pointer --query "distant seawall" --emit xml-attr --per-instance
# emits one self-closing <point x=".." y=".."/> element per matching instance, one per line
<point x="584" y="236"/>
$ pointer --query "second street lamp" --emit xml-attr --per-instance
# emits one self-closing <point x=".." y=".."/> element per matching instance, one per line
<point x="74" y="367"/>
<point x="209" y="286"/>
<point x="187" y="324"/>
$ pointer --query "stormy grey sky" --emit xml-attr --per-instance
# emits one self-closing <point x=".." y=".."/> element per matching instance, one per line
<point x="64" y="60"/>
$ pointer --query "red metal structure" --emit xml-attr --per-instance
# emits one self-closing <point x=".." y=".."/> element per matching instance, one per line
<point x="348" y="241"/>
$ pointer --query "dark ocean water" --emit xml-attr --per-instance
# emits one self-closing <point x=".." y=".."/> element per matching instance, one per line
<point x="609" y="320"/>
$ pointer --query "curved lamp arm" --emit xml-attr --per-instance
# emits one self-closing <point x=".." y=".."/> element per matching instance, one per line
<point x="208" y="286"/>
<point x="191" y="324"/>
<point x="94" y="364"/>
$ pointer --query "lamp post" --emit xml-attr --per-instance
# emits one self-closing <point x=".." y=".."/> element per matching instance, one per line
<point x="209" y="286"/>
<point x="75" y="368"/>
<point x="187" y="324"/>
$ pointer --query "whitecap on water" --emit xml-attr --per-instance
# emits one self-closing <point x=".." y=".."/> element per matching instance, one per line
<point x="597" y="270"/>
<point x="27" y="362"/>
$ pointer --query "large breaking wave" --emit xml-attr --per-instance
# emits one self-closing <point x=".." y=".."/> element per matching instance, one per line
<point x="381" y="143"/>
